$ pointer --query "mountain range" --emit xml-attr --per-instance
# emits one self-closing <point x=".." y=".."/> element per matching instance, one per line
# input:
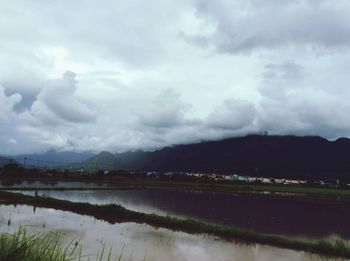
<point x="52" y="158"/>
<point x="259" y="155"/>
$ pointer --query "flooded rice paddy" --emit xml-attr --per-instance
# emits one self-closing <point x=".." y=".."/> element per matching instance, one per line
<point x="282" y="216"/>
<point x="133" y="241"/>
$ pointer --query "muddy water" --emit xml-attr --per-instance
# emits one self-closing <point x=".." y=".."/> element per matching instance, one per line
<point x="284" y="216"/>
<point x="133" y="241"/>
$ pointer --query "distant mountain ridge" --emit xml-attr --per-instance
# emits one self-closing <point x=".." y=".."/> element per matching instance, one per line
<point x="250" y="155"/>
<point x="4" y="161"/>
<point x="53" y="158"/>
<point x="102" y="160"/>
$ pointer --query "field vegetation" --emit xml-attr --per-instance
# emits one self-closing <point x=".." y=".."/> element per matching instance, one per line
<point x="21" y="246"/>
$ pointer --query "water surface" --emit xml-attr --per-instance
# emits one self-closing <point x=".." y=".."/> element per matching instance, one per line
<point x="282" y="216"/>
<point x="135" y="241"/>
<point x="292" y="216"/>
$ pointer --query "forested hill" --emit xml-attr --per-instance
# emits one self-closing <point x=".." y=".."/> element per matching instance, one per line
<point x="250" y="155"/>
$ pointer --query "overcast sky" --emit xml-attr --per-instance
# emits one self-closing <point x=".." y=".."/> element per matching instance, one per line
<point x="123" y="75"/>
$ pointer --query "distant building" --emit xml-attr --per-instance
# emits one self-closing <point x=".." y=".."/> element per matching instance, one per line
<point x="266" y="180"/>
<point x="251" y="179"/>
<point x="239" y="178"/>
<point x="228" y="177"/>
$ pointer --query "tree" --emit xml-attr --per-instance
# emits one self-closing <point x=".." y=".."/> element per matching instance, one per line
<point x="12" y="168"/>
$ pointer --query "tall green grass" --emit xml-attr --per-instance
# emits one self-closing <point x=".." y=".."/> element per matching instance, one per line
<point x="21" y="246"/>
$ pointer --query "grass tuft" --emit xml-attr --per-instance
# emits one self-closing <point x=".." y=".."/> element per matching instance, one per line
<point x="21" y="246"/>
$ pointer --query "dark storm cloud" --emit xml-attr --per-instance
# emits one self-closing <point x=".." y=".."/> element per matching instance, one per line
<point x="23" y="81"/>
<point x="257" y="25"/>
<point x="26" y="88"/>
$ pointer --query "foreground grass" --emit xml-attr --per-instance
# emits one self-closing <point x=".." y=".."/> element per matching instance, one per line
<point x="21" y="246"/>
<point x="118" y="214"/>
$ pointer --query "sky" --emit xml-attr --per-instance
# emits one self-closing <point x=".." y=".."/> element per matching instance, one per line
<point x="122" y="75"/>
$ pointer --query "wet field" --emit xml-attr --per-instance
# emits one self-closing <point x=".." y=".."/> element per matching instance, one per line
<point x="134" y="241"/>
<point x="273" y="215"/>
<point x="291" y="217"/>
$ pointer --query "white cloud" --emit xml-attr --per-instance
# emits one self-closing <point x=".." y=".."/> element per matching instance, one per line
<point x="149" y="74"/>
<point x="57" y="101"/>
<point x="166" y="111"/>
<point x="232" y="115"/>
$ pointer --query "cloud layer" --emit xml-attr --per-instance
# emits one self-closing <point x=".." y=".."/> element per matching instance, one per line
<point x="259" y="25"/>
<point x="127" y="75"/>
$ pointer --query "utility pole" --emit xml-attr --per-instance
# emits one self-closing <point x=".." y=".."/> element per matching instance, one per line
<point x="24" y="162"/>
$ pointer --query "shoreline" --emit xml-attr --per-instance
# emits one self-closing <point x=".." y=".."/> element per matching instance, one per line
<point x="326" y="195"/>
